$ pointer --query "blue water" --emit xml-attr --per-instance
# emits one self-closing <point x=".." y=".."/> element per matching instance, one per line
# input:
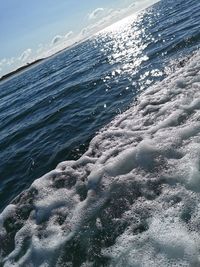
<point x="128" y="200"/>
<point x="50" y="112"/>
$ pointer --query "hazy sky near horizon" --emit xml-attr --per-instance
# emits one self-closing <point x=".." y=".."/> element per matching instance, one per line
<point x="31" y="29"/>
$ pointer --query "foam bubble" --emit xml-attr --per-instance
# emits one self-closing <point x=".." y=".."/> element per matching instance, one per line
<point x="133" y="199"/>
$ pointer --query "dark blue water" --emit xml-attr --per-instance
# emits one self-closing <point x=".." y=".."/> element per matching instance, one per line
<point x="50" y="112"/>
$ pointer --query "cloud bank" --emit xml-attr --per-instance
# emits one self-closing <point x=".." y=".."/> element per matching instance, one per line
<point x="100" y="18"/>
<point x="97" y="20"/>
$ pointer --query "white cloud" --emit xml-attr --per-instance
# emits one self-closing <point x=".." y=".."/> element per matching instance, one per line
<point x="7" y="61"/>
<point x="131" y="6"/>
<point x="3" y="61"/>
<point x="10" y="61"/>
<point x="58" y="43"/>
<point x="40" y="49"/>
<point x="110" y="16"/>
<point x="25" y="55"/>
<point x="68" y="35"/>
<point x="8" y="64"/>
<point x="56" y="39"/>
<point x="97" y="13"/>
<point x="98" y="19"/>
<point x="61" y="38"/>
<point x="105" y="17"/>
<point x="85" y="31"/>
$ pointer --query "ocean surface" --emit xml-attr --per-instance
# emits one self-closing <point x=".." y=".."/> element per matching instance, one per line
<point x="112" y="127"/>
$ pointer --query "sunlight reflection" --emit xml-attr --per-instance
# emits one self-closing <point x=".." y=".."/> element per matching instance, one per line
<point x="123" y="45"/>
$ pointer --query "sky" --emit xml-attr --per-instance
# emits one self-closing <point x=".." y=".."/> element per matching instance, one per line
<point x="34" y="29"/>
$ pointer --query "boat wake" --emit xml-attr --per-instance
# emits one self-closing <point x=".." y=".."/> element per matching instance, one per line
<point x="133" y="199"/>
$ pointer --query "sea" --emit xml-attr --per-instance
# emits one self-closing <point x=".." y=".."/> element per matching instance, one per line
<point x="100" y="148"/>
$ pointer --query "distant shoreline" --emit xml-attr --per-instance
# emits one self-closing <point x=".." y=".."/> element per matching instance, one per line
<point x="6" y="76"/>
<point x="20" y="69"/>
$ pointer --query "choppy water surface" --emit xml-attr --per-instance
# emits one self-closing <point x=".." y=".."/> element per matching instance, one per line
<point x="133" y="198"/>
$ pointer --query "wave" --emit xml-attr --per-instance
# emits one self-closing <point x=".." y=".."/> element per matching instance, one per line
<point x="133" y="199"/>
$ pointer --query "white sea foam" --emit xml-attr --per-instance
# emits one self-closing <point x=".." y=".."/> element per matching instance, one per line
<point x="133" y="199"/>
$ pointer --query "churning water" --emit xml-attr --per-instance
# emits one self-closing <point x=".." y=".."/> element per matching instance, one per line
<point x="121" y="112"/>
